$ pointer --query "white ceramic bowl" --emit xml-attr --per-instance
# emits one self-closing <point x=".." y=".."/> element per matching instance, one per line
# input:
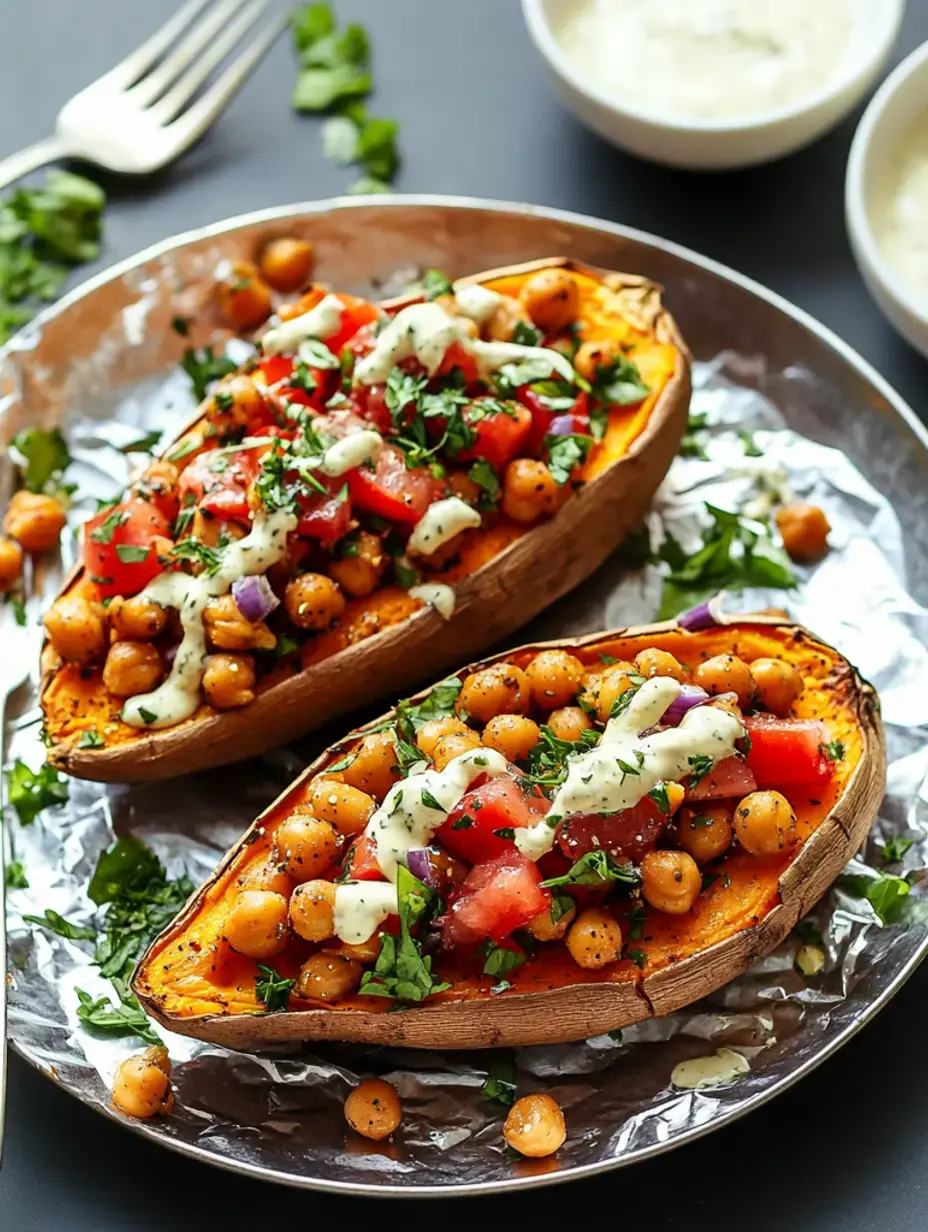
<point x="718" y="144"/>
<point x="901" y="99"/>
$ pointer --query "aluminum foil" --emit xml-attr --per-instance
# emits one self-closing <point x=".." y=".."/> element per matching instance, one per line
<point x="280" y="1115"/>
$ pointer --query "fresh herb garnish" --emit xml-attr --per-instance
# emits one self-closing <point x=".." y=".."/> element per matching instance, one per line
<point x="834" y="750"/>
<point x="498" y="960"/>
<point x="619" y="383"/>
<point x="30" y="791"/>
<point x="15" y="877"/>
<point x="597" y="868"/>
<point x="56" y="923"/>
<point x="693" y="443"/>
<point x="439" y="704"/>
<point x="126" y="1017"/>
<point x="203" y="368"/>
<point x="894" y="848"/>
<point x="635" y="922"/>
<point x="525" y="334"/>
<point x="402" y="971"/>
<point x="333" y="64"/>
<point x="885" y="894"/>
<point x="486" y="478"/>
<point x="429" y="800"/>
<point x="90" y="739"/>
<point x="147" y="716"/>
<point x="108" y="527"/>
<point x="42" y="454"/>
<point x="435" y="282"/>
<point x="751" y="447"/>
<point x="638" y="957"/>
<point x="271" y="989"/>
<point x="198" y="553"/>
<point x="701" y="767"/>
<point x="19" y="610"/>
<point x="661" y="798"/>
<point x="547" y="761"/>
<point x="501" y="1081"/>
<point x="565" y="454"/>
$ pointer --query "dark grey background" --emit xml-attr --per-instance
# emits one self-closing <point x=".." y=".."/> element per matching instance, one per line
<point x="844" y="1151"/>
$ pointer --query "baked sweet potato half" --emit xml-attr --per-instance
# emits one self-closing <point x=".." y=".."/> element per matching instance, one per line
<point x="382" y="493"/>
<point x="551" y="844"/>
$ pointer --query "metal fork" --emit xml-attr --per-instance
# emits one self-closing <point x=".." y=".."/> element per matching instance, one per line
<point x="142" y="114"/>
<point x="17" y="651"/>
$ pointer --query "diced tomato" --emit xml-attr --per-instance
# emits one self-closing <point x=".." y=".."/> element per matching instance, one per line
<point x="543" y="415"/>
<point x="369" y="401"/>
<point x="727" y="779"/>
<point x="458" y="357"/>
<point x="118" y="552"/>
<point x="218" y="481"/>
<point x="325" y="516"/>
<point x="361" y="860"/>
<point x="357" y="313"/>
<point x="788" y="752"/>
<point x="280" y="367"/>
<point x="499" y="804"/>
<point x="498" y="896"/>
<point x="500" y="435"/>
<point x="391" y="491"/>
<point x="628" y="835"/>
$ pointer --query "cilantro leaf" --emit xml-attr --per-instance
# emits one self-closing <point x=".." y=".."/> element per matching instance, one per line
<point x="834" y="750"/>
<point x="203" y="368"/>
<point x="885" y="895"/>
<point x="501" y="1081"/>
<point x="439" y="704"/>
<point x="271" y="989"/>
<point x="15" y="877"/>
<point x="402" y="972"/>
<point x="547" y="761"/>
<point x="619" y="383"/>
<point x="894" y="848"/>
<point x="435" y="282"/>
<point x="45" y="458"/>
<point x="597" y="868"/>
<point x="498" y="960"/>
<point x="56" y="923"/>
<point x="30" y="791"/>
<point x="126" y="1017"/>
<point x="565" y="454"/>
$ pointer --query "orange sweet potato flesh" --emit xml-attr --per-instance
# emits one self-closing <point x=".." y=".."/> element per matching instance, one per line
<point x="74" y="698"/>
<point x="191" y="971"/>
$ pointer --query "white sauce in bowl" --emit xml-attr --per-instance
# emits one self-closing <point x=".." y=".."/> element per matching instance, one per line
<point x="900" y="209"/>
<point x="705" y="59"/>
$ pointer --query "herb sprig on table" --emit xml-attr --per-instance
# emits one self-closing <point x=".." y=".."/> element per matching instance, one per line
<point x="334" y="77"/>
<point x="44" y="232"/>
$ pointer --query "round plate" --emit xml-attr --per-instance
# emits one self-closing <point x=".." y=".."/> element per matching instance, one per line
<point x="112" y="335"/>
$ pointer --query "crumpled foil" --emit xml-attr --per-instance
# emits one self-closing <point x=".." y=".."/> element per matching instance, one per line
<point x="280" y="1115"/>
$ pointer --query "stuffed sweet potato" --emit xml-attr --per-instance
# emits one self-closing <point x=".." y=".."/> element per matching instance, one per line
<point x="551" y="844"/>
<point x="383" y="492"/>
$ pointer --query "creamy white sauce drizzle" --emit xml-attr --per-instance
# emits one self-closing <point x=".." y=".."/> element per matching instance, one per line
<point x="706" y="59"/>
<point x="405" y="821"/>
<point x="436" y="595"/>
<point x="440" y="523"/>
<point x="900" y="206"/>
<point x="320" y="322"/>
<point x="477" y="302"/>
<point x="350" y="452"/>
<point x="177" y="698"/>
<point x="596" y="781"/>
<point x="424" y="332"/>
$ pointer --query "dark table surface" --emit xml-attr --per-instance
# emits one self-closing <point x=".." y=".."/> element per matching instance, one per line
<point x="846" y="1149"/>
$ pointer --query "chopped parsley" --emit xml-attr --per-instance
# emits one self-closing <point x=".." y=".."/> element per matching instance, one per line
<point x="501" y="1081"/>
<point x="701" y="767"/>
<point x="565" y="454"/>
<point x="204" y="368"/>
<point x="638" y="957"/>
<point x="547" y="761"/>
<point x="434" y="282"/>
<point x="42" y="455"/>
<point x="31" y="791"/>
<point x="56" y="923"/>
<point x="894" y="848"/>
<point x="485" y="477"/>
<point x="693" y="443"/>
<point x="90" y="739"/>
<point x="886" y="894"/>
<point x="439" y="704"/>
<point x="525" y="334"/>
<point x="619" y="383"/>
<point x="498" y="960"/>
<point x="271" y="989"/>
<point x="751" y="447"/>
<point x="596" y="868"/>
<point x="132" y="554"/>
<point x="15" y="877"/>
<point x="402" y="972"/>
<point x="210" y="559"/>
<point x="108" y="527"/>
<point x="834" y="750"/>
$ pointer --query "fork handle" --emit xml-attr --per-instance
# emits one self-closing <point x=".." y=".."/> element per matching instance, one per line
<point x="43" y="152"/>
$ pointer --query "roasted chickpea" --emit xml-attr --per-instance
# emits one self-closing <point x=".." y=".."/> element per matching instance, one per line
<point x="326" y="977"/>
<point x="159" y="485"/>
<point x="530" y="491"/>
<point x="614" y="681"/>
<point x="348" y="809"/>
<point x="131" y="668"/>
<point x="313" y="601"/>
<point x="461" y="485"/>
<point x="374" y="768"/>
<point x="305" y="844"/>
<point x="804" y="529"/>
<point x="244" y="297"/>
<point x="373" y="1109"/>
<point x="670" y="881"/>
<point x="358" y="575"/>
<point x="778" y="685"/>
<point x="653" y="662"/>
<point x="142" y="1086"/>
<point x="765" y="823"/>
<point x="256" y="925"/>
<point x="592" y="357"/>
<point x="236" y="402"/>
<point x="229" y="681"/>
<point x="705" y="832"/>
<point x="306" y="303"/>
<point x="312" y="910"/>
<point x="552" y="298"/>
<point x="555" y="677"/>
<point x="535" y="1126"/>
<point x="11" y="564"/>
<point x="228" y="629"/>
<point x="500" y="689"/>
<point x="507" y="314"/>
<point x="211" y="531"/>
<point x="545" y="928"/>
<point x="453" y="745"/>
<point x="595" y="938"/>
<point x="266" y="875"/>
<point x="286" y="263"/>
<point x="569" y="722"/>
<point x="726" y="673"/>
<point x="34" y="521"/>
<point x="76" y="628"/>
<point x="512" y="735"/>
<point x="365" y="952"/>
<point x="430" y="733"/>
<point x="137" y="619"/>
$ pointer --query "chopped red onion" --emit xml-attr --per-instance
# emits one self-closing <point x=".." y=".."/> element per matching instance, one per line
<point x="697" y="618"/>
<point x="254" y="598"/>
<point x="562" y="425"/>
<point x="420" y="865"/>
<point x="690" y="695"/>
<point x="170" y="655"/>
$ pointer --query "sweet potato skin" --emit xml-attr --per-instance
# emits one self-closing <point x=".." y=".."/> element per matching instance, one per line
<point x="192" y="983"/>
<point x="388" y="642"/>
